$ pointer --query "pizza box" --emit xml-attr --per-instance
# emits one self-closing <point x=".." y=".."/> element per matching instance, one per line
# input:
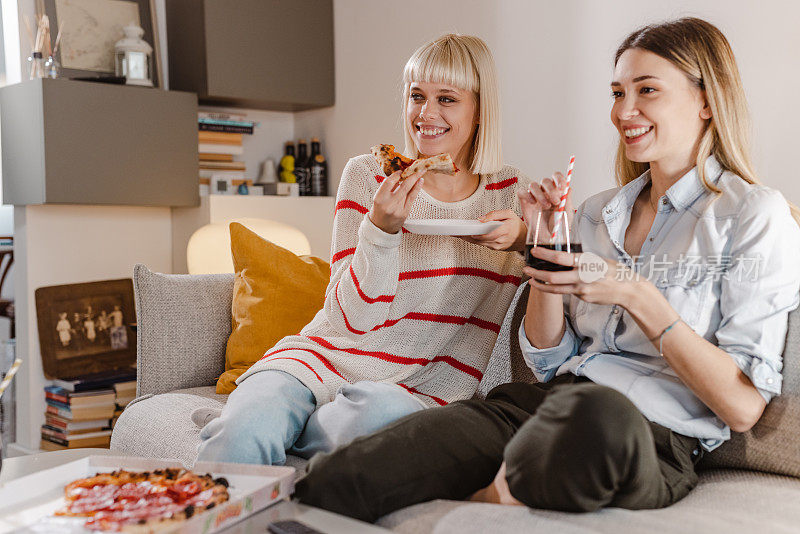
<point x="27" y="504"/>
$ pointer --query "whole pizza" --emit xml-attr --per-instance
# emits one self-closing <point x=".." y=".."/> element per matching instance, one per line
<point x="125" y="501"/>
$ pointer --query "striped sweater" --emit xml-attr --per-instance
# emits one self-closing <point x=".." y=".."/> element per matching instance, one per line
<point x="419" y="311"/>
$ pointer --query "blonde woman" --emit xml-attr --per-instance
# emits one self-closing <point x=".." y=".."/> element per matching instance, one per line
<point x="409" y="320"/>
<point x="653" y="364"/>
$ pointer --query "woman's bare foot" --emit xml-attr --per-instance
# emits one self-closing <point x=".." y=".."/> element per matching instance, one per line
<point x="497" y="492"/>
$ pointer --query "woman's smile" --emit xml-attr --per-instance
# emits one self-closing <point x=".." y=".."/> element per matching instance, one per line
<point x="431" y="131"/>
<point x="636" y="133"/>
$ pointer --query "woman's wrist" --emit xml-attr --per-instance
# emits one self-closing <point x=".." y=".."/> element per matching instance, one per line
<point x="381" y="225"/>
<point x="651" y="310"/>
<point x="636" y="294"/>
<point x="544" y="319"/>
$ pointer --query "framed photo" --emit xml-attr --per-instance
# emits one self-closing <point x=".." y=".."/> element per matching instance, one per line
<point x="92" y="27"/>
<point x="86" y="328"/>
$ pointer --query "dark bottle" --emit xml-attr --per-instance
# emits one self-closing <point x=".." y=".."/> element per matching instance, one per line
<point x="301" y="168"/>
<point x="319" y="170"/>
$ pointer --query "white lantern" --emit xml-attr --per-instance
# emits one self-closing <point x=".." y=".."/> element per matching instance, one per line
<point x="134" y="57"/>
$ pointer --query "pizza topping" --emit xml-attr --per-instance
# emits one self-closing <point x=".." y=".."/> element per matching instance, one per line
<point x="112" y="500"/>
<point x="390" y="159"/>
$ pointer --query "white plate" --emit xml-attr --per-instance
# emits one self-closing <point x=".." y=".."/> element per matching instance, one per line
<point x="450" y="226"/>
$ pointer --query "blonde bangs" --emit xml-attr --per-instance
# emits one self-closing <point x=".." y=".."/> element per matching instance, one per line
<point x="443" y="61"/>
<point x="465" y="62"/>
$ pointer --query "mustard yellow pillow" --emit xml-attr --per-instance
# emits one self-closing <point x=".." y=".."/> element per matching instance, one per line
<point x="276" y="294"/>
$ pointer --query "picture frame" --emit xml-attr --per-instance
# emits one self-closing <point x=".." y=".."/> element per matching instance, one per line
<point x="88" y="52"/>
<point x="86" y="328"/>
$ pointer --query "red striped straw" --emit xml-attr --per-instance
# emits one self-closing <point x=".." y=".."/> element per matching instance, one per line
<point x="563" y="203"/>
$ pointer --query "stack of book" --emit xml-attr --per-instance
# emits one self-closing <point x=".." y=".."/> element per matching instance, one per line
<point x="220" y="139"/>
<point x="81" y="412"/>
<point x="125" y="393"/>
<point x="77" y="419"/>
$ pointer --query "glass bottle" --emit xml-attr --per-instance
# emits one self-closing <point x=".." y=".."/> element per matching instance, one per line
<point x="52" y="67"/>
<point x="318" y="169"/>
<point x="301" y="170"/>
<point x="286" y="170"/>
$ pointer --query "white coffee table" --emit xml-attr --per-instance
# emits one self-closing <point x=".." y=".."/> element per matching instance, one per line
<point x="322" y="520"/>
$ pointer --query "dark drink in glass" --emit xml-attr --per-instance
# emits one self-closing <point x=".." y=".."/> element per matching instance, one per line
<point x="542" y="265"/>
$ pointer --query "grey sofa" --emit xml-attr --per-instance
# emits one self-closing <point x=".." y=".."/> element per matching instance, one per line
<point x="751" y="484"/>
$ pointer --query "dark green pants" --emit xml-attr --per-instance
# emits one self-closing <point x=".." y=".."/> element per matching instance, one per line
<point x="569" y="445"/>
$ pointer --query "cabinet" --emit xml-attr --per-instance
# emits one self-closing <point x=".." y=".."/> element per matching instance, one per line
<point x="258" y="54"/>
<point x="70" y="142"/>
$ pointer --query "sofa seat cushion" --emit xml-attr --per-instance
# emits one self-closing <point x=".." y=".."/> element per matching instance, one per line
<point x="724" y="501"/>
<point x="160" y="426"/>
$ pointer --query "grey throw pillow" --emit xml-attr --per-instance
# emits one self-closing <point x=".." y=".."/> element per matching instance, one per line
<point x="184" y="322"/>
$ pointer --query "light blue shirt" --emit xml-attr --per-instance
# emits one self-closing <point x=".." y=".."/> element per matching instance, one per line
<point x="729" y="264"/>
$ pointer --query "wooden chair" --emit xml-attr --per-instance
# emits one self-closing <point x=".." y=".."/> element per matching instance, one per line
<point x="6" y="259"/>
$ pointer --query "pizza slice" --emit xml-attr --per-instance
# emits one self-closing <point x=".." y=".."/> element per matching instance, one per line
<point x="392" y="161"/>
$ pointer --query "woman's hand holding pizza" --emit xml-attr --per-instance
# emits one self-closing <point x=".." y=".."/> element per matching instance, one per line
<point x="393" y="201"/>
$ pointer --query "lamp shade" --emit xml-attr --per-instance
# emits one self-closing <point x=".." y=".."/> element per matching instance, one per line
<point x="209" y="248"/>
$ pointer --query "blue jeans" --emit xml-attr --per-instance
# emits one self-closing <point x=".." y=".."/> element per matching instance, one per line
<point x="271" y="412"/>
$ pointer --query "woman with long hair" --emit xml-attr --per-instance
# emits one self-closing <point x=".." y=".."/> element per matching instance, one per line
<point x="647" y="367"/>
<point x="409" y="321"/>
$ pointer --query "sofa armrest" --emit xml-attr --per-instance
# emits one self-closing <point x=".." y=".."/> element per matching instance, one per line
<point x="184" y="322"/>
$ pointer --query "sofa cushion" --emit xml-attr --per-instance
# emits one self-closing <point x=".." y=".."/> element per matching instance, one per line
<point x="275" y="295"/>
<point x="723" y="502"/>
<point x="773" y="444"/>
<point x="183" y="324"/>
<point x="160" y="426"/>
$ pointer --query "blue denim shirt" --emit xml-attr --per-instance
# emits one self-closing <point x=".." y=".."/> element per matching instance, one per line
<point x="729" y="264"/>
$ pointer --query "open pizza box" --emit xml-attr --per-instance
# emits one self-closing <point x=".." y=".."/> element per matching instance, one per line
<point x="27" y="504"/>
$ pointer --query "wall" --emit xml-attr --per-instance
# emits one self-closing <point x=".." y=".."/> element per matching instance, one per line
<point x="554" y="61"/>
<point x="73" y="244"/>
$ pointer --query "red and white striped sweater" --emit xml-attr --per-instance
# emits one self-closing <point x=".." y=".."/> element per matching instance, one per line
<point x="419" y="311"/>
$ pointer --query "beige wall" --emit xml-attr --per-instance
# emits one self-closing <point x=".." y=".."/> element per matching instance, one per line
<point x="66" y="245"/>
<point x="554" y="61"/>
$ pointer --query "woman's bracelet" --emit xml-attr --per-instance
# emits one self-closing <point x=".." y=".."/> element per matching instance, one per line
<point x="661" y="336"/>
